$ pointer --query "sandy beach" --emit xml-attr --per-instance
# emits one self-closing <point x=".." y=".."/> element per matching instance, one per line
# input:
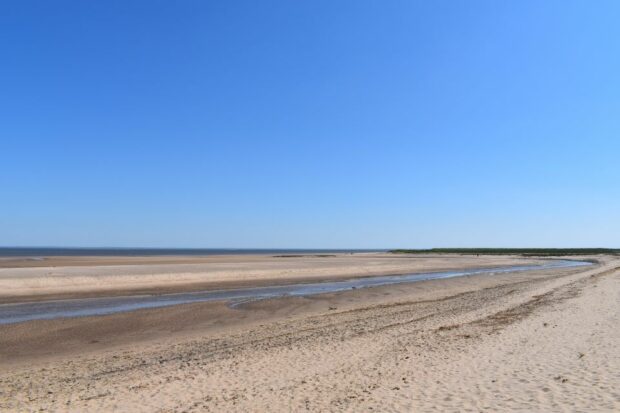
<point x="541" y="340"/>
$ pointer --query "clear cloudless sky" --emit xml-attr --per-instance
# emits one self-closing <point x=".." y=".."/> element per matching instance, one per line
<point x="353" y="124"/>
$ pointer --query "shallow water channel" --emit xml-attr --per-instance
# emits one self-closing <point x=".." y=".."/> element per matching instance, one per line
<point x="47" y="310"/>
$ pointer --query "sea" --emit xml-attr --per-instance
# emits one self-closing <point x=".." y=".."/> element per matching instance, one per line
<point x="150" y="252"/>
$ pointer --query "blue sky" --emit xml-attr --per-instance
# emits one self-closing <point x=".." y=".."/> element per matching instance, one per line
<point x="352" y="124"/>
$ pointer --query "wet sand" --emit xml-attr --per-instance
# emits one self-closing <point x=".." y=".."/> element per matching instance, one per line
<point x="537" y="341"/>
<point x="11" y="313"/>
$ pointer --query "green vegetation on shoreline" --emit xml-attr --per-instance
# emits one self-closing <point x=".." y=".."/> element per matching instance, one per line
<point x="538" y="252"/>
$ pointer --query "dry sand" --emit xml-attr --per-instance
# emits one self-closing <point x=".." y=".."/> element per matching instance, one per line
<point x="536" y="341"/>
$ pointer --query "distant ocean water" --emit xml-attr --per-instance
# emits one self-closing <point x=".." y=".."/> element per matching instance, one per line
<point x="141" y="252"/>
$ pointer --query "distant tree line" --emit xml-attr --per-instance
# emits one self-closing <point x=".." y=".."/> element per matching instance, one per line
<point x="512" y="251"/>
